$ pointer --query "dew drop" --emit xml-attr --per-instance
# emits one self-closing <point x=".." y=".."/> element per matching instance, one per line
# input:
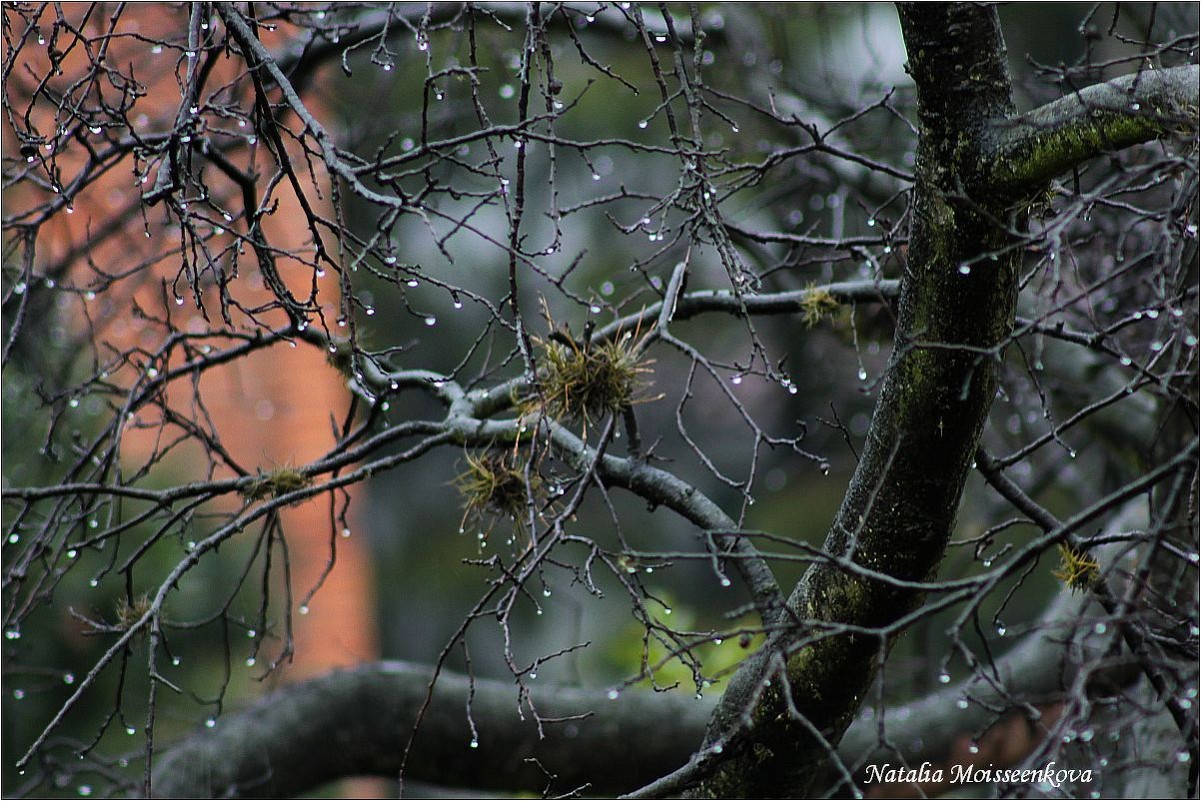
<point x="131" y="731"/>
<point x="431" y="321"/>
<point x="613" y="695"/>
<point x="1100" y="628"/>
<point x="475" y="743"/>
<point x="304" y="609"/>
<point x="962" y="703"/>
<point x="643" y="123"/>
<point x="19" y="694"/>
<point x="964" y="269"/>
<point x="210" y="723"/>
<point x="944" y="678"/>
<point x="736" y="380"/>
<point x="725" y="582"/>
<point x="251" y="661"/>
<point x="68" y="678"/>
<point x="862" y="374"/>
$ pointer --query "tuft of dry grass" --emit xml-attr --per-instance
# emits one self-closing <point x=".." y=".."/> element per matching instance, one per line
<point x="130" y="612"/>
<point x="494" y="487"/>
<point x="1077" y="570"/>
<point x="586" y="381"/>
<point x="278" y="482"/>
<point x="817" y="305"/>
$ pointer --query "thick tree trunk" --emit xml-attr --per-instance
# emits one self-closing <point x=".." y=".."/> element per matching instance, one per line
<point x="956" y="311"/>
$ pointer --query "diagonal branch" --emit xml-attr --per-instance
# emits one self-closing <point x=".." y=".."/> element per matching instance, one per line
<point x="1034" y="147"/>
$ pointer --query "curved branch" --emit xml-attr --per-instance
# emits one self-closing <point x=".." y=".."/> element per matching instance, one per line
<point x="280" y="746"/>
<point x="1037" y="146"/>
<point x="356" y="722"/>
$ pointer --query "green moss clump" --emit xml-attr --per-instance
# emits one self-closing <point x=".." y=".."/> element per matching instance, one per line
<point x="278" y="482"/>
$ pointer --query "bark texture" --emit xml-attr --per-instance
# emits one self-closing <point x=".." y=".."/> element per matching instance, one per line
<point x="799" y="694"/>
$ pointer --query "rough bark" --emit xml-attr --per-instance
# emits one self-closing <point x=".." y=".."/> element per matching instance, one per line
<point x="956" y="311"/>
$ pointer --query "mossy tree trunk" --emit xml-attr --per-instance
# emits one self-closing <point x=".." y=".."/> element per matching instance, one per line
<point x="802" y="689"/>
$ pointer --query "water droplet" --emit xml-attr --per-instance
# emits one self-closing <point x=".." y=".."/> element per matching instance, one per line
<point x="370" y="311"/>
<point x="19" y="694"/>
<point x="613" y="694"/>
<point x="1001" y="630"/>
<point x="71" y="554"/>
<point x="131" y="731"/>
<point x="862" y="374"/>
<point x="85" y="790"/>
<point x="251" y="633"/>
<point x="596" y="176"/>
<point x="304" y="609"/>
<point x="962" y="703"/>
<point x="871" y="222"/>
<point x="1100" y="628"/>
<point x="475" y="743"/>
<point x="973" y="749"/>
<point x="250" y="661"/>
<point x="1182" y="756"/>
<point x="458" y="304"/>
<point x="175" y="660"/>
<point x="964" y="269"/>
<point x="156" y="49"/>
<point x="944" y="678"/>
<point x="210" y="723"/>
<point x="431" y="321"/>
<point x="594" y="309"/>
<point x="94" y="583"/>
<point x="725" y="582"/>
<point x="643" y="123"/>
<point x="506" y="91"/>
<point x="736" y="380"/>
<point x="546" y="592"/>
